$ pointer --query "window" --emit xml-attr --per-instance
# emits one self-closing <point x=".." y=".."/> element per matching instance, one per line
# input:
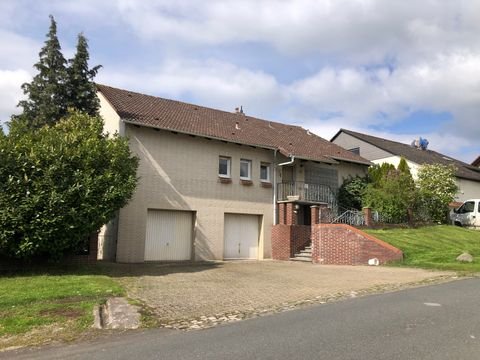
<point x="224" y="166"/>
<point x="469" y="206"/>
<point x="265" y="172"/>
<point x="355" y="150"/>
<point x="245" y="169"/>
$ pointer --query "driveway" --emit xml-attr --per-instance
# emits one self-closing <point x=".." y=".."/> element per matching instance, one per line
<point x="203" y="295"/>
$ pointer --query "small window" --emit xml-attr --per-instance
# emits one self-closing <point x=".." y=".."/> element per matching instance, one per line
<point x="224" y="166"/>
<point x="245" y="169"/>
<point x="265" y="172"/>
<point x="355" y="150"/>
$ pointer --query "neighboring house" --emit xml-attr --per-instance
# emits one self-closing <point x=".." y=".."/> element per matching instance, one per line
<point x="380" y="150"/>
<point x="210" y="180"/>
<point x="476" y="162"/>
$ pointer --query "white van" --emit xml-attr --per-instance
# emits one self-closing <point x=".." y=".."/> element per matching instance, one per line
<point x="468" y="214"/>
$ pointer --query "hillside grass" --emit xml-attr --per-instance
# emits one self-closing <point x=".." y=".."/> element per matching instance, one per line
<point x="434" y="247"/>
<point x="39" y="306"/>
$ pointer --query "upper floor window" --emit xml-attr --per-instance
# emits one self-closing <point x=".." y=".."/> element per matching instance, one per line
<point x="224" y="164"/>
<point x="245" y="169"/>
<point x="265" y="172"/>
<point x="355" y="150"/>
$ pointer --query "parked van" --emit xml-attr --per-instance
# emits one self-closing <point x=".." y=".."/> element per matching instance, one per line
<point x="468" y="214"/>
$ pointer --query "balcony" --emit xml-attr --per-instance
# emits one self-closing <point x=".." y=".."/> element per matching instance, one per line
<point x="302" y="191"/>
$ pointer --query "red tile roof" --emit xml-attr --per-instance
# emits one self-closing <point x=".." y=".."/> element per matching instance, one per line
<point x="152" y="111"/>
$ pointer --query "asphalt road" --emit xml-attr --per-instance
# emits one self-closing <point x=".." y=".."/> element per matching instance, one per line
<point x="435" y="322"/>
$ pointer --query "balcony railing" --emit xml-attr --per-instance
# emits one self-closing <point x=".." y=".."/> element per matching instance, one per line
<point x="301" y="191"/>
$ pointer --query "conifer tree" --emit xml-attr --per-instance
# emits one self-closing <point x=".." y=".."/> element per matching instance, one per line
<point x="46" y="94"/>
<point x="81" y="89"/>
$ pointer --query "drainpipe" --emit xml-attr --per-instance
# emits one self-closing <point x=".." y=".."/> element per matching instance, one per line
<point x="274" y="187"/>
<point x="292" y="159"/>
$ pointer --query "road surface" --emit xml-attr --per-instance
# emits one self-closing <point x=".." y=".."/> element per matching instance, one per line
<point x="434" y="322"/>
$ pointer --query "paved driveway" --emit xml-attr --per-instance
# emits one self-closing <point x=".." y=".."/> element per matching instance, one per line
<point x="197" y="296"/>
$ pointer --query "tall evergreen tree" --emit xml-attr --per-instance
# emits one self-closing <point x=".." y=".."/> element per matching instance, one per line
<point x="81" y="89"/>
<point x="46" y="94"/>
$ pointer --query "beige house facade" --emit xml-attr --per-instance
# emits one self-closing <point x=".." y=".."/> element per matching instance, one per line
<point x="210" y="181"/>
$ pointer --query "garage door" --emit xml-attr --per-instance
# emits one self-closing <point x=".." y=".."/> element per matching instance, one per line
<point x="169" y="235"/>
<point x="241" y="236"/>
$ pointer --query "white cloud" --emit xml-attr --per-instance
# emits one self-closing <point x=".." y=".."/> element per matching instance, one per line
<point x="11" y="93"/>
<point x="361" y="30"/>
<point x="17" y="51"/>
<point x="449" y="83"/>
<point x="210" y="83"/>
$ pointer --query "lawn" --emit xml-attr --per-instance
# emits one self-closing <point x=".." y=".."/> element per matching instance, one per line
<point x="44" y="306"/>
<point x="434" y="247"/>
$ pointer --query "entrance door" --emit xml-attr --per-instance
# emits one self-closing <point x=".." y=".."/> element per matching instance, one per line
<point x="169" y="235"/>
<point x="241" y="234"/>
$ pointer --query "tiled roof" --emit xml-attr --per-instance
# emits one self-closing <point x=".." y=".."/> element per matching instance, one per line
<point x="415" y="155"/>
<point x="476" y="162"/>
<point x="145" y="110"/>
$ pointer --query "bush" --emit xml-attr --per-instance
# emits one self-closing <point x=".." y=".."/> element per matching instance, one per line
<point x="60" y="183"/>
<point x="351" y="192"/>
<point x="437" y="188"/>
<point x="391" y="191"/>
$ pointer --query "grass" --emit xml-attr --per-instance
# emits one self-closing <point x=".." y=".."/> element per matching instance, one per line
<point x="59" y="302"/>
<point x="434" y="247"/>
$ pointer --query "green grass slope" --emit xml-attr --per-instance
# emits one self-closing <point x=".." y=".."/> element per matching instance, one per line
<point x="434" y="247"/>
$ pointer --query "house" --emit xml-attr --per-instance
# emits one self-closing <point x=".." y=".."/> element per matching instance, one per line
<point x="476" y="162"/>
<point x="211" y="181"/>
<point x="380" y="150"/>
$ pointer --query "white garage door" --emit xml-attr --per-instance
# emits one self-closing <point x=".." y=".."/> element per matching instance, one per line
<point x="241" y="236"/>
<point x="169" y="235"/>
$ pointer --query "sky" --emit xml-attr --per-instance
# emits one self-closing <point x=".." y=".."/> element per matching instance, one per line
<point x="398" y="69"/>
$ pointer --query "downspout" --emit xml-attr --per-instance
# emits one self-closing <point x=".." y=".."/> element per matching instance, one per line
<point x="292" y="159"/>
<point x="274" y="187"/>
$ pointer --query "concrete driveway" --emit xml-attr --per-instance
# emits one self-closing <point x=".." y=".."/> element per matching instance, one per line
<point x="203" y="295"/>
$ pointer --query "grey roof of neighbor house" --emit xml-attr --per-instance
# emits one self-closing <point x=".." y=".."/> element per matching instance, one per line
<point x="464" y="170"/>
<point x="476" y="162"/>
<point x="290" y="140"/>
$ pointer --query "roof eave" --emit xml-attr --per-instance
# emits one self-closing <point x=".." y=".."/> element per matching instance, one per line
<point x="196" y="134"/>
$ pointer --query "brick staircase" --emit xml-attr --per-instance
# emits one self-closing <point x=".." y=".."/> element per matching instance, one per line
<point x="303" y="255"/>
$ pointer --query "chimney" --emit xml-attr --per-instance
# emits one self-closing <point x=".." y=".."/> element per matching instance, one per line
<point x="239" y="110"/>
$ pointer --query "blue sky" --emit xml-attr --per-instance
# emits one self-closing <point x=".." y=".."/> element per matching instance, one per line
<point x="395" y="69"/>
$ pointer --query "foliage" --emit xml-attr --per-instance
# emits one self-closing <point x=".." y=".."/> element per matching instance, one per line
<point x="46" y="94"/>
<point x="391" y="192"/>
<point x="351" y="192"/>
<point x="434" y="247"/>
<point x="81" y="90"/>
<point x="437" y="188"/>
<point x="59" y="184"/>
<point x="376" y="173"/>
<point x="403" y="166"/>
<point x="57" y="87"/>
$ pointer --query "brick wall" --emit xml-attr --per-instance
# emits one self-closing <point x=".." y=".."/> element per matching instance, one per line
<point x="339" y="244"/>
<point x="289" y="239"/>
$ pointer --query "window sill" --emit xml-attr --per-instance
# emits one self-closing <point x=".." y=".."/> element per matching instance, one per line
<point x="224" y="180"/>
<point x="266" y="184"/>
<point x="246" y="182"/>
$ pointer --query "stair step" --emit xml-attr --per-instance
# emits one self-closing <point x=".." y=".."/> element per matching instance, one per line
<point x="303" y="256"/>
<point x="305" y="259"/>
<point x="305" y="252"/>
